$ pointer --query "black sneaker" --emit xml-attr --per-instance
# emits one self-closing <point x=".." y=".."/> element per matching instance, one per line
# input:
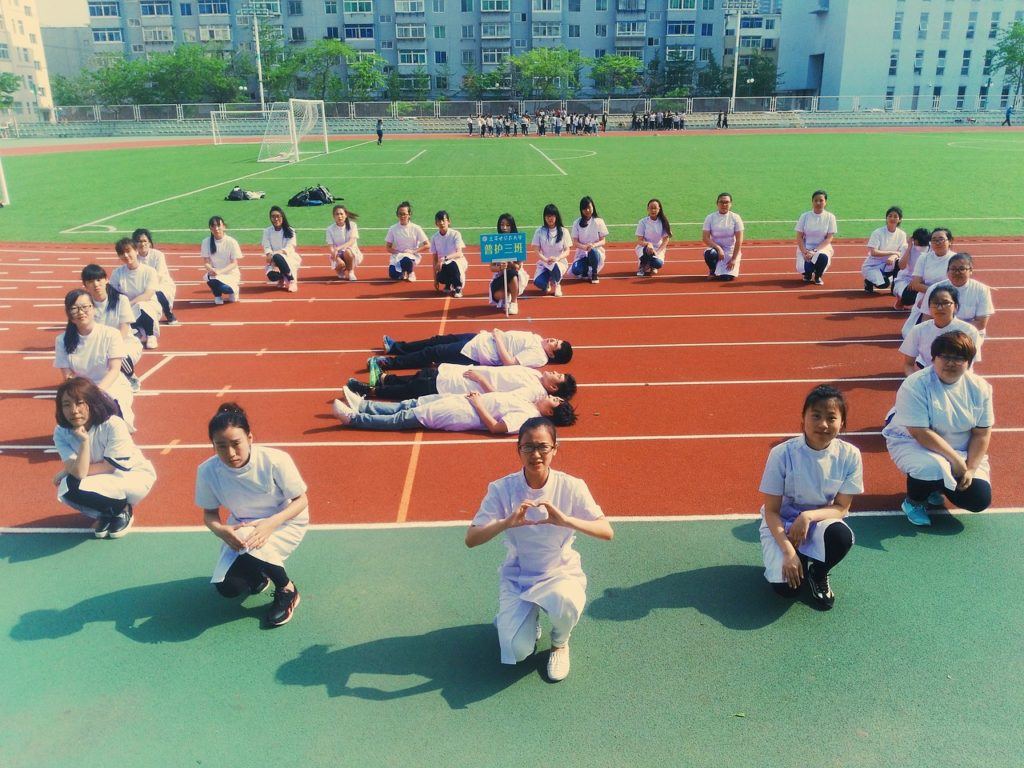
<point x="869" y="286"/>
<point x="358" y="387"/>
<point x="260" y="587"/>
<point x="102" y="528"/>
<point x="808" y="277"/>
<point x="821" y="590"/>
<point x="120" y="523"/>
<point x="285" y="602"/>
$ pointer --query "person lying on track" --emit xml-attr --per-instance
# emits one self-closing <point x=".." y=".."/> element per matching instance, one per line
<point x="499" y="413"/>
<point x="451" y="379"/>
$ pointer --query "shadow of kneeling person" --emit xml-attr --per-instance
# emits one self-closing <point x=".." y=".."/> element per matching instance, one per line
<point x="736" y="596"/>
<point x="461" y="663"/>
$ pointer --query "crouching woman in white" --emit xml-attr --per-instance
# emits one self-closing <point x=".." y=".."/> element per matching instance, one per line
<point x="939" y="430"/>
<point x="283" y="260"/>
<point x="539" y="510"/>
<point x="220" y="253"/>
<point x="104" y="473"/>
<point x="814" y="232"/>
<point x="267" y="512"/>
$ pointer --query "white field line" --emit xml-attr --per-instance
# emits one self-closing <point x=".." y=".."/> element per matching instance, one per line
<point x="418" y="154"/>
<point x="409" y="525"/>
<point x="154" y="369"/>
<point x="99" y="222"/>
<point x="559" y="168"/>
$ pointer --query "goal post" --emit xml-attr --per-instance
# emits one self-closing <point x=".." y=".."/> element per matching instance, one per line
<point x="294" y="129"/>
<point x="5" y="199"/>
<point x="227" y="123"/>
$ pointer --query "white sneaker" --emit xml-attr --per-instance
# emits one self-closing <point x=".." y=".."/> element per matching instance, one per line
<point x="274" y="282"/>
<point x="412" y="277"/>
<point x="151" y="342"/>
<point x="218" y="300"/>
<point x="558" y="289"/>
<point x="353" y="400"/>
<point x="501" y="304"/>
<point x="558" y="664"/>
<point x="231" y="298"/>
<point x="457" y="294"/>
<point x="292" y="285"/>
<point x="595" y="281"/>
<point x="639" y="273"/>
<point x="513" y="308"/>
<point x="352" y="276"/>
<point x="342" y="412"/>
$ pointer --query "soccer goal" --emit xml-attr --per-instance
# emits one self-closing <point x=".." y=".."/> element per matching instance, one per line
<point x="5" y="199"/>
<point x="227" y="123"/>
<point x="294" y="129"/>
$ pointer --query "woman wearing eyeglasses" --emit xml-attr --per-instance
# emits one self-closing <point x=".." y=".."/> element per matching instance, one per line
<point x="929" y="269"/>
<point x="540" y="511"/>
<point x="93" y="351"/>
<point x="938" y="433"/>
<point x="916" y="348"/>
<point x="975" y="297"/>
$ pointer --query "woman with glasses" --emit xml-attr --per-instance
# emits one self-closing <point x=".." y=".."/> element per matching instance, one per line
<point x="93" y="351"/>
<point x="815" y="230"/>
<point x="975" y="297"/>
<point x="929" y="269"/>
<point x="539" y="510"/>
<point x="938" y="433"/>
<point x="916" y="347"/>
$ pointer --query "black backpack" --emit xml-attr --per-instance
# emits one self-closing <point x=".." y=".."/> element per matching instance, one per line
<point x="318" y="195"/>
<point x="236" y="193"/>
<point x="299" y="199"/>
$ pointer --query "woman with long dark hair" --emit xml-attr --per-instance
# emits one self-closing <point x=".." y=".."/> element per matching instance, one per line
<point x="113" y="311"/>
<point x="283" y="260"/>
<point x="220" y="253"/>
<point x="553" y="241"/>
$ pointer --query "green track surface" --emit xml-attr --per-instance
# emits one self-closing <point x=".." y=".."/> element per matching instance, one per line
<point x="968" y="181"/>
<point x="121" y="654"/>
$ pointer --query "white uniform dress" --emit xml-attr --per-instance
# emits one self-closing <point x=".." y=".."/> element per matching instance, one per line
<point x="227" y="255"/>
<point x="931" y="269"/>
<point x="274" y="241"/>
<point x="552" y="251"/>
<point x="950" y="410"/>
<point x="524" y="347"/>
<point x="263" y="487"/>
<point x="882" y="240"/>
<point x="339" y="236"/>
<point x="723" y="229"/>
<point x="114" y="316"/>
<point x="158" y="261"/>
<point x="542" y="570"/>
<point x="404" y="241"/>
<point x="135" y="282"/>
<point x="806" y="479"/>
<point x="111" y="441"/>
<point x="651" y="231"/>
<point x="975" y="300"/>
<point x="816" y="227"/>
<point x="918" y="343"/>
<point x="502" y="378"/>
<point x="454" y="413"/>
<point x="595" y="231"/>
<point x="446" y="246"/>
<point x="902" y="281"/>
<point x="90" y="360"/>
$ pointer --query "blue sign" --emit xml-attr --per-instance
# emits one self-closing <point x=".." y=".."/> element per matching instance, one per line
<point x="503" y="246"/>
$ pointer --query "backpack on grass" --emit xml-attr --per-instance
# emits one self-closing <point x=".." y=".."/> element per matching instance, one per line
<point x="318" y="195"/>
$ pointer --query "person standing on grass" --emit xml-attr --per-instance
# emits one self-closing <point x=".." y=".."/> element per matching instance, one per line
<point x="939" y="430"/>
<point x="885" y="251"/>
<point x="143" y="240"/>
<point x="220" y="253"/>
<point x="553" y="242"/>
<point x="283" y="260"/>
<point x="808" y="485"/>
<point x="450" y="263"/>
<point x="113" y="311"/>
<point x="539" y="510"/>
<point x="814" y="232"/>
<point x="723" y="235"/>
<point x="590" y="233"/>
<point x="944" y="302"/>
<point x="268" y="512"/>
<point x="515" y="277"/>
<point x="380" y="131"/>
<point x="404" y="242"/>
<point x="918" y="244"/>
<point x="104" y="474"/>
<point x="343" y="243"/>
<point x="93" y="351"/>
<point x="652" y="235"/>
<point x="138" y="283"/>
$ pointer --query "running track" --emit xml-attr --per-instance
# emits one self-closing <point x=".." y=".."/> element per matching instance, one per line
<point x="685" y="384"/>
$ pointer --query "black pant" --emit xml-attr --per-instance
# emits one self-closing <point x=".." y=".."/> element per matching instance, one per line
<point x="165" y="305"/>
<point x="838" y="541"/>
<point x="396" y="387"/>
<point x="430" y="352"/>
<point x="449" y="275"/>
<point x="711" y="259"/>
<point x="908" y="297"/>
<point x="247" y="572"/>
<point x="816" y="267"/>
<point x="144" y="324"/>
<point x="218" y="288"/>
<point x="104" y="505"/>
<point x="977" y="497"/>
<point x="282" y="272"/>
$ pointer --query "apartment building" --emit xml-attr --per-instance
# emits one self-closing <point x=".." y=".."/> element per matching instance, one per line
<point x="21" y="53"/>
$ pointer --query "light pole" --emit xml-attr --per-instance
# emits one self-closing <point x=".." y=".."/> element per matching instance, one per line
<point x="737" y="7"/>
<point x="258" y="9"/>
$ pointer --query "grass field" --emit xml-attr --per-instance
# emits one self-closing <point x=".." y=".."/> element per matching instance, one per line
<point x="959" y="179"/>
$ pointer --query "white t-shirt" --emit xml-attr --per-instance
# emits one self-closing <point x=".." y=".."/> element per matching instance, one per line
<point x="652" y="232"/>
<point x="274" y="240"/>
<point x="158" y="261"/>
<point x="810" y="479"/>
<point x="447" y="245"/>
<point x="456" y="414"/>
<point x="110" y="441"/>
<point x="340" y="237"/>
<point x="918" y="343"/>
<point x="135" y="282"/>
<point x="228" y="253"/>
<point x="951" y="410"/>
<point x="975" y="299"/>
<point x="884" y="240"/>
<point x="451" y="379"/>
<point x="115" y="315"/>
<point x="552" y="251"/>
<point x="93" y="353"/>
<point x="595" y="231"/>
<point x="931" y="268"/>
<point x="816" y="227"/>
<point x="723" y="229"/>
<point x="524" y="347"/>
<point x="405" y="240"/>
<point x="263" y="487"/>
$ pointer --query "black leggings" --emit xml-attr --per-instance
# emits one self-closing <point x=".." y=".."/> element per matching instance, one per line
<point x="247" y="572"/>
<point x="144" y="324"/>
<point x="165" y="305"/>
<point x="449" y="275"/>
<point x="908" y="297"/>
<point x="283" y="270"/>
<point x="976" y="498"/>
<point x="816" y="266"/>
<point x="838" y="540"/>
<point x="428" y="352"/>
<point x="104" y="505"/>
<point x="397" y="387"/>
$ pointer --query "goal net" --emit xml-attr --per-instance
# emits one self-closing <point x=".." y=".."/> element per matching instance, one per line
<point x="4" y="197"/>
<point x="294" y="129"/>
<point x="227" y="123"/>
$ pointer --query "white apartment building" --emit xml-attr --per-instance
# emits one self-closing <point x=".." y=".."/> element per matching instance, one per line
<point x="21" y="53"/>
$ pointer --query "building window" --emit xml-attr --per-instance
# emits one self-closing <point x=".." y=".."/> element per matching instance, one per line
<point x="961" y="94"/>
<point x="409" y="6"/>
<point x="682" y="5"/>
<point x="411" y="31"/>
<point x="601" y="5"/>
<point x="1004" y="97"/>
<point x="358" y="6"/>
<point x="468" y="57"/>
<point x="298" y="35"/>
<point x="574" y="30"/>
<point x="188" y="36"/>
<point x="922" y="27"/>
<point x="215" y="34"/>
<point x="750" y="41"/>
<point x="993" y="27"/>
<point x="155" y="9"/>
<point x="494" y="6"/>
<point x="437" y="6"/>
<point x="439" y="32"/>
<point x="333" y="33"/>
<point x="384" y="18"/>
<point x="574" y="6"/>
<point x="986" y="68"/>
<point x="494" y="56"/>
<point x="918" y="62"/>
<point x="441" y="83"/>
<point x="633" y="53"/>
<point x="705" y="54"/>
<point x="185" y="9"/>
<point x="708" y="5"/>
<point x="547" y="5"/>
<point x="965" y="65"/>
<point x="599" y="52"/>
<point x="684" y="28"/>
<point x="680" y="53"/>
<point x="492" y="30"/>
<point x="707" y="30"/>
<point x="940" y="64"/>
<point x="359" y="31"/>
<point x="107" y="36"/>
<point x="972" y="24"/>
<point x="630" y="28"/>
<point x="294" y="7"/>
<point x="467" y="6"/>
<point x="894" y="60"/>
<point x="414" y="57"/>
<point x="330" y="7"/>
<point x="468" y="32"/>
<point x="213" y="9"/>
<point x="158" y="35"/>
<point x="769" y="23"/>
<point x="5" y="52"/>
<point x="600" y="30"/>
<point x="897" y="26"/>
<point x="440" y="57"/>
<point x="752" y="22"/>
<point x="947" y="22"/>
<point x="99" y="10"/>
<point x="631" y="5"/>
<point x="546" y="29"/>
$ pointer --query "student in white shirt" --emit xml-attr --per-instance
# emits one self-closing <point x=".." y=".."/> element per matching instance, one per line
<point x="452" y="379"/>
<point x="975" y="298"/>
<point x="514" y="277"/>
<point x="104" y="474"/>
<point x="268" y="512"/>
<point x="917" y="245"/>
<point x="94" y="352"/>
<point x="449" y="261"/>
<point x="540" y="511"/>
<point x="553" y="243"/>
<point x="220" y="253"/>
<point x="590" y="233"/>
<point x="282" y="260"/>
<point x="938" y="433"/>
<point x="151" y="257"/>
<point x="138" y="283"/>
<point x="343" y="243"/>
<point x="404" y="242"/>
<point x="916" y="347"/>
<point x="722" y="233"/>
<point x="930" y="268"/>
<point x="814" y="232"/>
<point x="808" y="484"/>
<point x="652" y="236"/>
<point x="885" y="250"/>
<point x="113" y="311"/>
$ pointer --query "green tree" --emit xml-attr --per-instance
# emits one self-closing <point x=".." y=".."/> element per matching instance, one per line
<point x="473" y="84"/>
<point x="679" y="74"/>
<point x="763" y="71"/>
<point x="190" y="74"/>
<point x="548" y="73"/>
<point x="1009" y="56"/>
<point x="713" y="80"/>
<point x="9" y="84"/>
<point x="417" y="85"/>
<point x="614" y="73"/>
<point x="653" y="82"/>
<point x="393" y="86"/>
<point x="365" y="76"/>
<point x="281" y="63"/>
<point x="320" y="63"/>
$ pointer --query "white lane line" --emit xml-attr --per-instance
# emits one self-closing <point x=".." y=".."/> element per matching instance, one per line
<point x="559" y="168"/>
<point x="418" y="154"/>
<point x="155" y="368"/>
<point x="40" y="271"/>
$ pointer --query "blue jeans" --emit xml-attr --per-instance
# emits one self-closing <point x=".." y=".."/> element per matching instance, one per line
<point x="405" y="265"/>
<point x="586" y="265"/>
<point x="553" y="275"/>
<point x="374" y="414"/>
